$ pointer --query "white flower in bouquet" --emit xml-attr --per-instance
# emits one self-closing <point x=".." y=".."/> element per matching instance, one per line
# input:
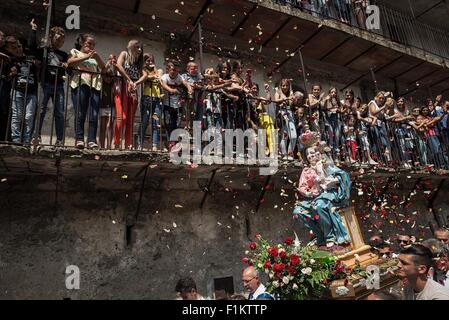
<point x="276" y="284"/>
<point x="267" y="271"/>
<point x="295" y="286"/>
<point x="259" y="265"/>
<point x="342" y="291"/>
<point x="285" y="280"/>
<point x="271" y="275"/>
<point x="307" y="270"/>
<point x="312" y="261"/>
<point x="246" y="252"/>
<point x="296" y="243"/>
<point x="296" y="247"/>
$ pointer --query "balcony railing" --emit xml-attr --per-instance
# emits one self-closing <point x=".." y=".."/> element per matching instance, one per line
<point x="394" y="25"/>
<point x="391" y="144"/>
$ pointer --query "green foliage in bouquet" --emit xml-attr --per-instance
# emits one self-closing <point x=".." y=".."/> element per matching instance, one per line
<point x="295" y="272"/>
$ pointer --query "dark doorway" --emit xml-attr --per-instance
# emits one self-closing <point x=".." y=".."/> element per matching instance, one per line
<point x="223" y="288"/>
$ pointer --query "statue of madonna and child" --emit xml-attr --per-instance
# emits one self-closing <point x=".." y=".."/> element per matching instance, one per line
<point x="325" y="189"/>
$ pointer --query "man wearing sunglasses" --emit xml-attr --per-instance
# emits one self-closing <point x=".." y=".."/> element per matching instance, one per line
<point x="404" y="241"/>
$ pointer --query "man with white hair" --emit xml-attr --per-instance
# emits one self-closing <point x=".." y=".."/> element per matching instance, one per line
<point x="252" y="284"/>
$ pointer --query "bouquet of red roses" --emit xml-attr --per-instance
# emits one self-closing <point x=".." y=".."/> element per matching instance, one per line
<point x="294" y="272"/>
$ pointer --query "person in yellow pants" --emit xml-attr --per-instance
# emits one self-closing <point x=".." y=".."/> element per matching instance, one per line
<point x="266" y="122"/>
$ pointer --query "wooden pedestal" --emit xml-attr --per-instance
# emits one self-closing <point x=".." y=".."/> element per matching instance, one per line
<point x="359" y="251"/>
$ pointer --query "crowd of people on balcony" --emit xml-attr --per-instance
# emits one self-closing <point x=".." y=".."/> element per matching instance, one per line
<point x="351" y="12"/>
<point x="383" y="131"/>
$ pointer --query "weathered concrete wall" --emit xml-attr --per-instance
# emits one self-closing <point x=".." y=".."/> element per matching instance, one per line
<point x="81" y="218"/>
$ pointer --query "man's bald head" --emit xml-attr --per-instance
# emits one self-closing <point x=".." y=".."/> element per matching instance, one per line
<point x="251" y="271"/>
<point x="250" y="278"/>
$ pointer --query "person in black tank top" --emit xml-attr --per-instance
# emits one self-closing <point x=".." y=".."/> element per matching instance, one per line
<point x="129" y="64"/>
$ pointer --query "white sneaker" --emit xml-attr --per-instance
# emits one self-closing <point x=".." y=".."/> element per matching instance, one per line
<point x="92" y="145"/>
<point x="79" y="144"/>
<point x="372" y="162"/>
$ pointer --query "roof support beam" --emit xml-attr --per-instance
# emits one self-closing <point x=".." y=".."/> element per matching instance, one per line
<point x="409" y="69"/>
<point x="428" y="9"/>
<point x="369" y="71"/>
<point x="389" y="63"/>
<point x="278" y="30"/>
<point x="298" y="48"/>
<point x="423" y="77"/>
<point x="244" y="20"/>
<point x="333" y="49"/>
<point x="361" y="54"/>
<point x="432" y="85"/>
<point x="198" y="17"/>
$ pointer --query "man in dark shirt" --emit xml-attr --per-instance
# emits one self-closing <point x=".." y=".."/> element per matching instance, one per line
<point x="8" y="50"/>
<point x="24" y="96"/>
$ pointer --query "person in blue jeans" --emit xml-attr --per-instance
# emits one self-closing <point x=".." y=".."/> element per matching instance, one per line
<point x="86" y="83"/>
<point x="151" y="105"/>
<point x="440" y="159"/>
<point x="445" y="126"/>
<point x="24" y="98"/>
<point x="53" y="85"/>
<point x="86" y="99"/>
<point x="8" y="50"/>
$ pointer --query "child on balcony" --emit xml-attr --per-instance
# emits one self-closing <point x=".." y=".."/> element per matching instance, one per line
<point x="212" y="102"/>
<point x="110" y="85"/>
<point x="194" y="104"/>
<point x="171" y="82"/>
<point x="151" y="106"/>
<point x="350" y="137"/>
